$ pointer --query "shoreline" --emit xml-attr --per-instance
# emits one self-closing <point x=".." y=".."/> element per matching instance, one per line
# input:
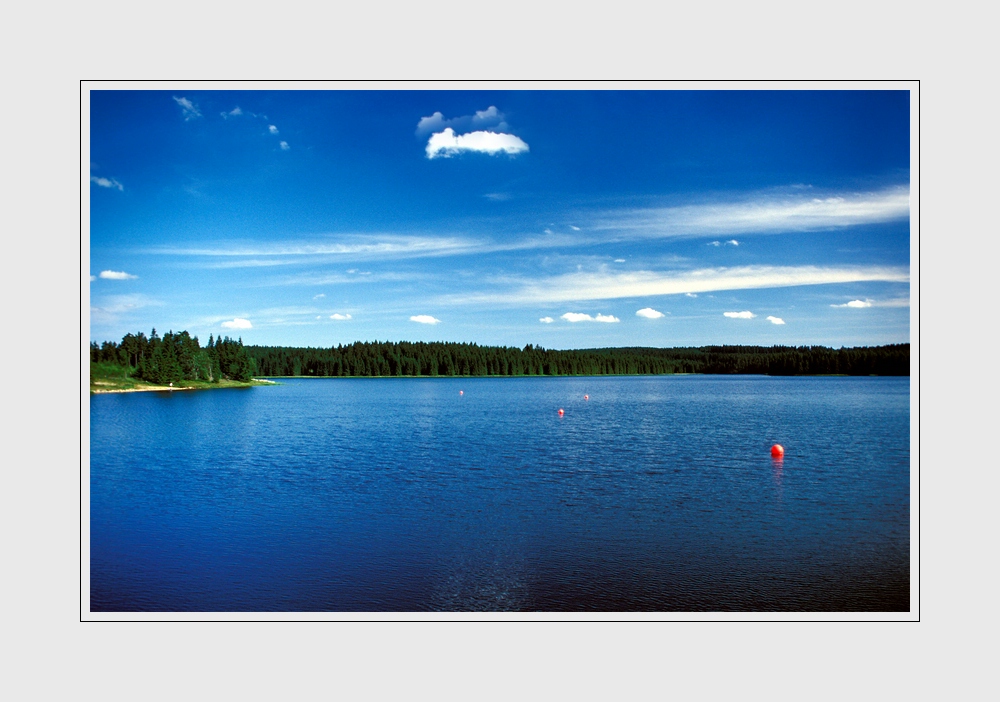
<point x="164" y="388"/>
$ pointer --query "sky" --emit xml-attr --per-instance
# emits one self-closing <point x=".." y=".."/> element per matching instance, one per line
<point x="560" y="218"/>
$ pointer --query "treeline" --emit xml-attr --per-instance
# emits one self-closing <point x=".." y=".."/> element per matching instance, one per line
<point x="453" y="359"/>
<point x="176" y="357"/>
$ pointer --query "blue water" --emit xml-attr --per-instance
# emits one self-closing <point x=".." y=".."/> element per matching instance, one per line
<point x="656" y="494"/>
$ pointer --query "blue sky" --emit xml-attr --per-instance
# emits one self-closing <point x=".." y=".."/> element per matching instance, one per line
<point x="570" y="219"/>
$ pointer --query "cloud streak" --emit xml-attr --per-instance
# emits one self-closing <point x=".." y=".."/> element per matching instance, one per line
<point x="603" y="285"/>
<point x="580" y="317"/>
<point x="761" y="214"/>
<point x="189" y="110"/>
<point x="745" y="314"/>
<point x="107" y="182"/>
<point x="117" y="275"/>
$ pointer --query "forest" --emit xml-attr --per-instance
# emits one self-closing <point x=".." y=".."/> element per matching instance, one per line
<point x="175" y="357"/>
<point x="179" y="356"/>
<point x="462" y="359"/>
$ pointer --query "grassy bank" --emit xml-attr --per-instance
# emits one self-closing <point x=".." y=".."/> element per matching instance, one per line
<point x="110" y="377"/>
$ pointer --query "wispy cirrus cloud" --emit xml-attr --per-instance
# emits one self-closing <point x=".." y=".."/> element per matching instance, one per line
<point x="107" y="182"/>
<point x="581" y="317"/>
<point x="761" y="213"/>
<point x="447" y="143"/>
<point x="189" y="110"/>
<point x="603" y="285"/>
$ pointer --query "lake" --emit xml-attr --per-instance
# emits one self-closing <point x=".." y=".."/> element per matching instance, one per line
<point x="658" y="493"/>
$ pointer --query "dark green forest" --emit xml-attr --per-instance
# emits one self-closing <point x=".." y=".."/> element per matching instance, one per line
<point x="179" y="356"/>
<point x="176" y="357"/>
<point x="453" y="359"/>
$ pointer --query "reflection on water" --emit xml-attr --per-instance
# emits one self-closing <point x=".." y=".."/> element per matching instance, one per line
<point x="474" y="494"/>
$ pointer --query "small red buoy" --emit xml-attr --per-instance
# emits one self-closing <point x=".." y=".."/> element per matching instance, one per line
<point x="586" y="397"/>
<point x="461" y="392"/>
<point x="561" y="412"/>
<point x="777" y="451"/>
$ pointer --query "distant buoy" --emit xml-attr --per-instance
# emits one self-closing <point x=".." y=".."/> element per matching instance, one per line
<point x="561" y="412"/>
<point x="586" y="397"/>
<point x="777" y="451"/>
<point x="461" y="392"/>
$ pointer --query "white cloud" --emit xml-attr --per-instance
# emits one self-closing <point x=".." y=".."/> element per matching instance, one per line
<point x="319" y="297"/>
<point x="188" y="109"/>
<point x="856" y="303"/>
<point x="649" y="313"/>
<point x="605" y="285"/>
<point x="775" y="320"/>
<point x="424" y="319"/>
<point x="745" y="314"/>
<point x="690" y="295"/>
<point x="93" y="278"/>
<point x="107" y="182"/>
<point x="447" y="143"/>
<point x="733" y="242"/>
<point x="337" y="315"/>
<point x="714" y="243"/>
<point x="117" y="275"/>
<point x="619" y="260"/>
<point x="762" y="214"/>
<point x="238" y="323"/>
<point x="497" y="197"/>
<point x="490" y="117"/>
<point x="546" y="320"/>
<point x="284" y="145"/>
<point x="235" y="112"/>
<point x="580" y="317"/>
<point x="271" y="128"/>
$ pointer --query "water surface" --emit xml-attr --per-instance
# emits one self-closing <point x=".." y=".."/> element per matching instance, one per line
<point x="656" y="494"/>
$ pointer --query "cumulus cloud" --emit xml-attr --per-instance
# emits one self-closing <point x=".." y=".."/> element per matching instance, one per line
<point x="648" y="313"/>
<point x="448" y="144"/>
<point x="491" y="117"/>
<point x="235" y="112"/>
<point x="775" y="320"/>
<point x="856" y="303"/>
<point x="424" y="319"/>
<point x="546" y="320"/>
<point x="745" y="314"/>
<point x="337" y="315"/>
<point x="690" y="295"/>
<point x="284" y="145"/>
<point x="189" y="110"/>
<point x="238" y="323"/>
<point x="271" y="128"/>
<point x="117" y="275"/>
<point x="619" y="260"/>
<point x="714" y="243"/>
<point x="106" y="182"/>
<point x="580" y="317"/>
<point x="93" y="278"/>
<point x="575" y="229"/>
<point x="733" y="242"/>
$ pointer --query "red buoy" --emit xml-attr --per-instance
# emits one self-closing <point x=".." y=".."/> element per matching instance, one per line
<point x="586" y="397"/>
<point x="561" y="412"/>
<point x="461" y="392"/>
<point x="777" y="451"/>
